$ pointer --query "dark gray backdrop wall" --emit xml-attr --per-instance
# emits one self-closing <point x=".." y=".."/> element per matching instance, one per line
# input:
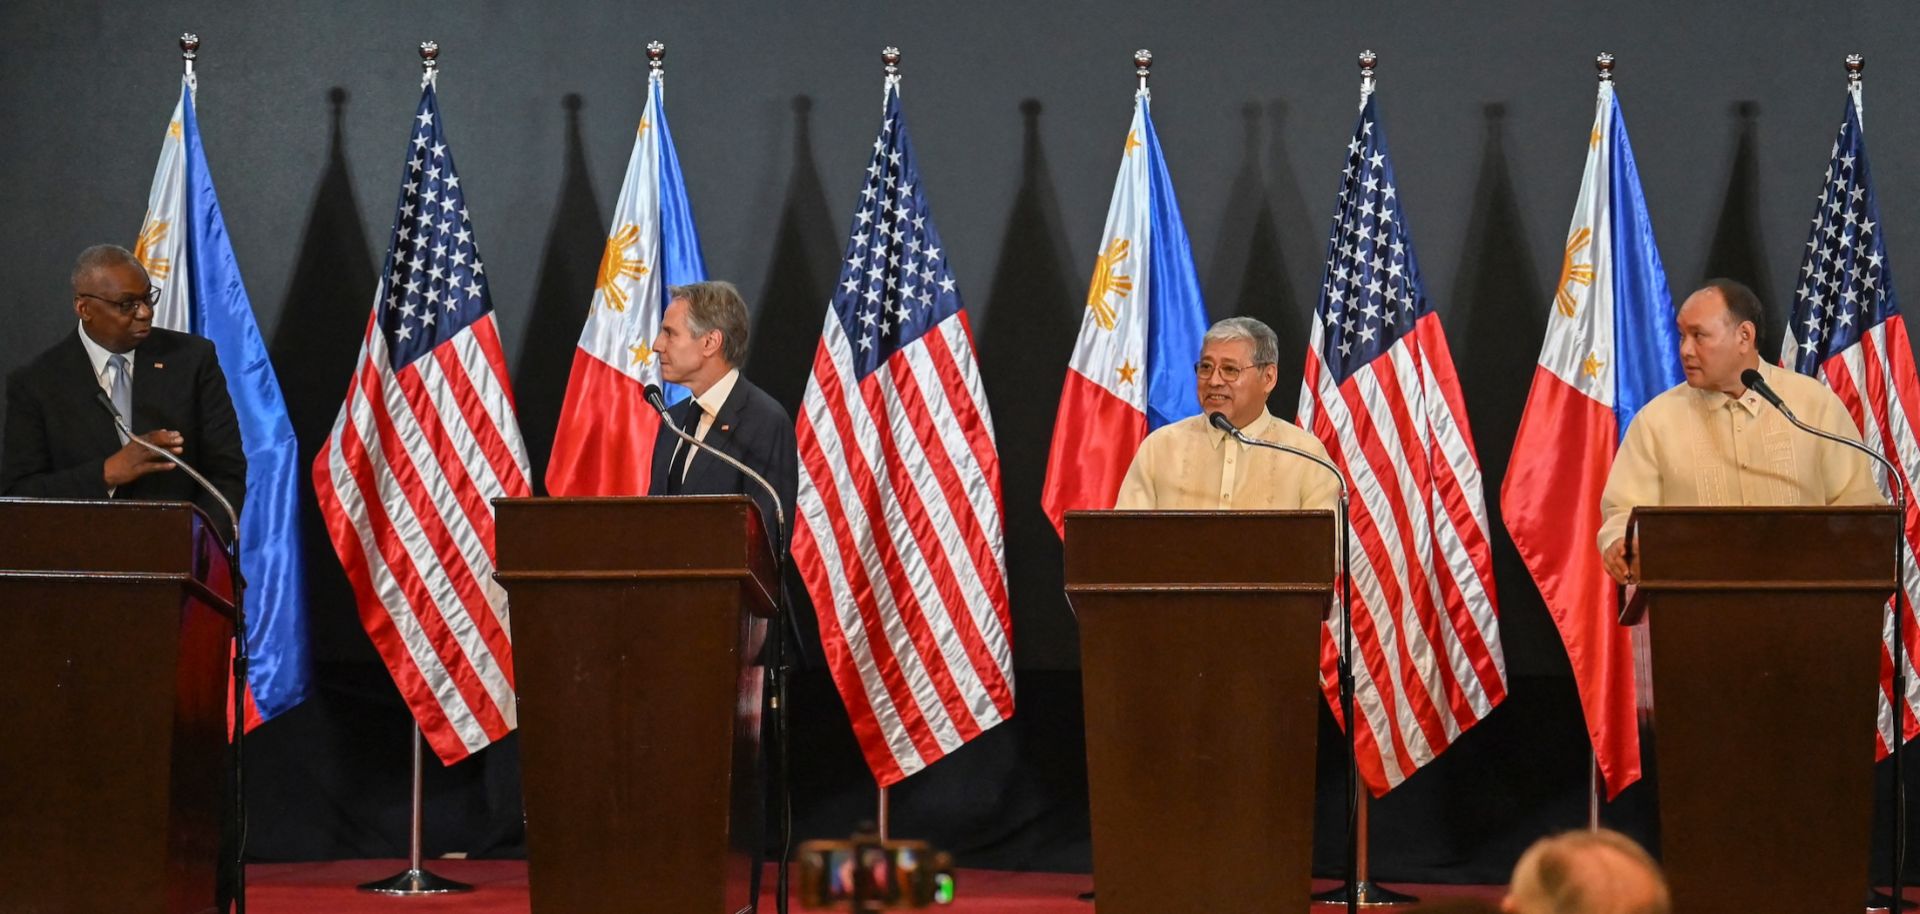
<point x="1017" y="111"/>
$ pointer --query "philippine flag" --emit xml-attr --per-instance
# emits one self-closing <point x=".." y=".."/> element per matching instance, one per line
<point x="604" y="444"/>
<point x="1132" y="366"/>
<point x="1610" y="347"/>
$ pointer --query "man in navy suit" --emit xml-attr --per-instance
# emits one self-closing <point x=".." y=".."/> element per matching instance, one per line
<point x="60" y="440"/>
<point x="702" y="341"/>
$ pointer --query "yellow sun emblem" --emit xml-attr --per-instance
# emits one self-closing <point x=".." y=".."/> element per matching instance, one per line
<point x="1571" y="272"/>
<point x="1591" y="367"/>
<point x="642" y="353"/>
<point x="146" y="249"/>
<point x="642" y="129"/>
<point x="173" y="129"/>
<point x="1108" y="280"/>
<point x="1133" y="142"/>
<point x="615" y="267"/>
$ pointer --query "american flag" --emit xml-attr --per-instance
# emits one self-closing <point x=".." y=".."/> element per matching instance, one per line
<point x="424" y="443"/>
<point x="1380" y="392"/>
<point x="899" y="538"/>
<point x="1847" y="330"/>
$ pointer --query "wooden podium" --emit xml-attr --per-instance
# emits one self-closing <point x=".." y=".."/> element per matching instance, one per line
<point x="637" y="631"/>
<point x="1764" y="626"/>
<point x="1200" y="665"/>
<point x="113" y="671"/>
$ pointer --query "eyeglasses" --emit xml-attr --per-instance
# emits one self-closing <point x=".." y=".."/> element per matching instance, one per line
<point x="1228" y="373"/>
<point x="128" y="306"/>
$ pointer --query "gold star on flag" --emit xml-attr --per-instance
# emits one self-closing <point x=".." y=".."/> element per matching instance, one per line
<point x="642" y="353"/>
<point x="1591" y="367"/>
<point x="1133" y="142"/>
<point x="1126" y="371"/>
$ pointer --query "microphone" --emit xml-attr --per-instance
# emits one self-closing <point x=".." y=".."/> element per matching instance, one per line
<point x="659" y="404"/>
<point x="1754" y="382"/>
<point x="1221" y="422"/>
<point x="233" y="517"/>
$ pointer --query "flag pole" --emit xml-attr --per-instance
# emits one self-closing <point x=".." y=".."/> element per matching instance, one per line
<point x="1603" y="64"/>
<point x="1360" y="891"/>
<point x="233" y="844"/>
<point x="416" y="880"/>
<point x="883" y="812"/>
<point x="1896" y="899"/>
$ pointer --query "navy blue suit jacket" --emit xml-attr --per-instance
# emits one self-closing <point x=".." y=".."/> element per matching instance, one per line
<point x="752" y="428"/>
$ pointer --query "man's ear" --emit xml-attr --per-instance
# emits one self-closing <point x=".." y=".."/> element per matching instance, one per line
<point x="712" y="343"/>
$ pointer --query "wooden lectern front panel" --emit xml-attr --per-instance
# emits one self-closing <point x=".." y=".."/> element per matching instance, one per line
<point x="114" y="674"/>
<point x="638" y="630"/>
<point x="1199" y="657"/>
<point x="1764" y="626"/>
<point x="630" y="746"/>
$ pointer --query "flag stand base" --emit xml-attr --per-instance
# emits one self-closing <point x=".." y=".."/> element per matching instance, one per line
<point x="416" y="882"/>
<point x="1366" y="892"/>
<point x="1371" y="895"/>
<point x="1879" y="902"/>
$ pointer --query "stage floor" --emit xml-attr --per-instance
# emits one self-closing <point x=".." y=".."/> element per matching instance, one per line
<point x="500" y="887"/>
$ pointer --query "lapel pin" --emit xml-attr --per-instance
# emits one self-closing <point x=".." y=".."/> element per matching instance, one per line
<point x="159" y="364"/>
<point x="726" y="428"/>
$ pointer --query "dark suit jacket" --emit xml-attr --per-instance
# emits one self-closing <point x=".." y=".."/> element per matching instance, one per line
<point x="58" y="436"/>
<point x="752" y="428"/>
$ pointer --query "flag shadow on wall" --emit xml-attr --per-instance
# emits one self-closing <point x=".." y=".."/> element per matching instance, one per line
<point x="1032" y="316"/>
<point x="561" y="297"/>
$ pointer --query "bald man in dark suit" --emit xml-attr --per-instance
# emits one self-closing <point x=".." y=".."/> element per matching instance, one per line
<point x="60" y="439"/>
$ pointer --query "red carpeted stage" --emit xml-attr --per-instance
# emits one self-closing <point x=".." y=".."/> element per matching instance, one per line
<point x="500" y="887"/>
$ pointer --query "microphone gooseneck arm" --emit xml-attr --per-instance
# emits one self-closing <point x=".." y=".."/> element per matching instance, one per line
<point x="1758" y="384"/>
<point x="236" y="875"/>
<point x="233" y="517"/>
<point x="1344" y="531"/>
<point x="659" y="404"/>
<point x="782" y="628"/>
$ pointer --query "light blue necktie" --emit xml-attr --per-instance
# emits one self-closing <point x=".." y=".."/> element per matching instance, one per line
<point x="120" y="389"/>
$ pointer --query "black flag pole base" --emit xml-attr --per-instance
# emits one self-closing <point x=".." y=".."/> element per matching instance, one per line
<point x="1879" y="902"/>
<point x="416" y="882"/>
<point x="1370" y="893"/>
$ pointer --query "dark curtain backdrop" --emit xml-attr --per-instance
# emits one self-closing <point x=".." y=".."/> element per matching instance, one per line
<point x="1018" y="111"/>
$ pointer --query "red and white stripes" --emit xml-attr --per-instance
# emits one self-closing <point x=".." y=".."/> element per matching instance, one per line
<point x="405" y="482"/>
<point x="900" y="531"/>
<point x="1429" y="657"/>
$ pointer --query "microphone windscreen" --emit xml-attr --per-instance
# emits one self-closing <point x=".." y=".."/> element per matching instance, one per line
<point x="1221" y="422"/>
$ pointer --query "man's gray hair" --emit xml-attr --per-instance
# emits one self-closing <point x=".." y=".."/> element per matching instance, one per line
<point x="98" y="257"/>
<point x="1266" y="346"/>
<point x="716" y="305"/>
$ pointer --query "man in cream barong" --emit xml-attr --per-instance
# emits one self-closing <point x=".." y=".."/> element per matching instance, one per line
<point x="1190" y="465"/>
<point x="1711" y="441"/>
